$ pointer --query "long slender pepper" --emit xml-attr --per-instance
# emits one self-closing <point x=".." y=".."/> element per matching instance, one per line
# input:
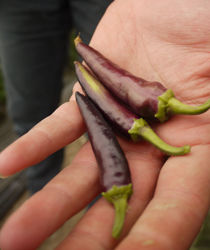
<point x="113" y="165"/>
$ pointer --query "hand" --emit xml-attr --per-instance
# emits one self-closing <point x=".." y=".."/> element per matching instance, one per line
<point x="166" y="41"/>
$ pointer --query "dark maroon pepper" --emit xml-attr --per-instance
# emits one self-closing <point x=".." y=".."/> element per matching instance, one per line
<point x="114" y="170"/>
<point x="148" y="99"/>
<point x="119" y="115"/>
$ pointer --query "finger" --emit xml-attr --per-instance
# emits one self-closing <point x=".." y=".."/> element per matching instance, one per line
<point x="59" y="129"/>
<point x="174" y="216"/>
<point x="94" y="231"/>
<point x="48" y="209"/>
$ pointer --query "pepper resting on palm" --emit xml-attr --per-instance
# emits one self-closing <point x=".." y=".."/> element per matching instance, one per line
<point x="150" y="100"/>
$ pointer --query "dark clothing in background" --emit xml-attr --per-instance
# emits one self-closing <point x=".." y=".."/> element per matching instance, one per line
<point x="33" y="51"/>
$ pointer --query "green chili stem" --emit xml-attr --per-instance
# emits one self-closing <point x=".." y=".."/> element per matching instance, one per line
<point x="118" y="196"/>
<point x="168" y="104"/>
<point x="141" y="128"/>
<point x="120" y="211"/>
<point x="177" y="107"/>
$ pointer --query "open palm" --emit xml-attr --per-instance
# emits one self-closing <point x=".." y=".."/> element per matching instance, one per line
<point x="166" y="41"/>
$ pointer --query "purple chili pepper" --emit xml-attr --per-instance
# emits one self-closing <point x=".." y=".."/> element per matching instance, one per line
<point x="113" y="165"/>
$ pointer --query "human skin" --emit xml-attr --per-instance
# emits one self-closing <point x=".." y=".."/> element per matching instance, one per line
<point x="166" y="41"/>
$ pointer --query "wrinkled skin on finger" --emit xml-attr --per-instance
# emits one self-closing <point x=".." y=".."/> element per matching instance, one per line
<point x="166" y="41"/>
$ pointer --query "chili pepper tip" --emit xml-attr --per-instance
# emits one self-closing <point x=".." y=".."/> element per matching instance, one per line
<point x="77" y="40"/>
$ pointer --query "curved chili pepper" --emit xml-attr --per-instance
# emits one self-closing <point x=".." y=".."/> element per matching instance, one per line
<point x="122" y="119"/>
<point x="148" y="99"/>
<point x="114" y="170"/>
